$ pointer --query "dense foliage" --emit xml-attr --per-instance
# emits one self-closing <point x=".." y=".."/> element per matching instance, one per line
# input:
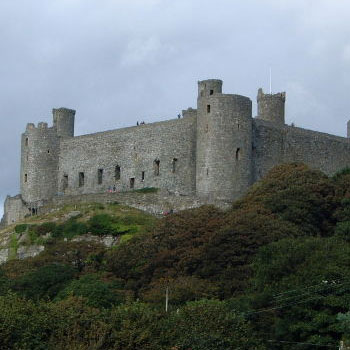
<point x="270" y="273"/>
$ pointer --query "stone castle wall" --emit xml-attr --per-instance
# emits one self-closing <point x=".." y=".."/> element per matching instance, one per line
<point x="160" y="155"/>
<point x="273" y="145"/>
<point x="214" y="153"/>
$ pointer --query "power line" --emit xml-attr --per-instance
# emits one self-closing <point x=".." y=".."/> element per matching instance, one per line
<point x="290" y="304"/>
<point x="319" y="290"/>
<point x="315" y="285"/>
<point x="281" y="307"/>
<point x="294" y="342"/>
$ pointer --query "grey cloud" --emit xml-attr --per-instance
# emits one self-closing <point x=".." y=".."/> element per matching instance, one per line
<point x="117" y="62"/>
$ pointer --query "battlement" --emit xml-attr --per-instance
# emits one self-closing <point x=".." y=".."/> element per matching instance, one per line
<point x="189" y="112"/>
<point x="63" y="121"/>
<point x="209" y="87"/>
<point x="271" y="106"/>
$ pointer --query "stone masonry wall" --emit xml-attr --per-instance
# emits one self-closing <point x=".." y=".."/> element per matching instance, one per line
<point x="160" y="155"/>
<point x="273" y="145"/>
<point x="14" y="210"/>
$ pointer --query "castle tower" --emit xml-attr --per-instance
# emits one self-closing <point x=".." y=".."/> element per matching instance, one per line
<point x="271" y="107"/>
<point x="224" y="143"/>
<point x="63" y="121"/>
<point x="39" y="163"/>
<point x="39" y="156"/>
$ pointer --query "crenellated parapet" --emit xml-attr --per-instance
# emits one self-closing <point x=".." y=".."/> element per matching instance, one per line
<point x="63" y="121"/>
<point x="271" y="107"/>
<point x="40" y="148"/>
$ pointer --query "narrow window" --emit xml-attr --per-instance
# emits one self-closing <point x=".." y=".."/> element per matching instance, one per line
<point x="156" y="167"/>
<point x="81" y="179"/>
<point x="206" y="128"/>
<point x="25" y="177"/>
<point x="143" y="176"/>
<point x="238" y="154"/>
<point x="207" y="171"/>
<point x="208" y="108"/>
<point x="238" y="126"/>
<point x="174" y="165"/>
<point x="27" y="141"/>
<point x="132" y="182"/>
<point x="211" y="92"/>
<point x="65" y="182"/>
<point x="48" y="151"/>
<point x="27" y="157"/>
<point x="99" y="176"/>
<point x="117" y="173"/>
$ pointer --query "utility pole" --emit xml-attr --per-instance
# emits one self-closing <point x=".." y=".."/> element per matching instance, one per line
<point x="166" y="298"/>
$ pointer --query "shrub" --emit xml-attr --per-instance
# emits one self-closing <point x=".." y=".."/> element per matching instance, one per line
<point x="46" y="281"/>
<point x="21" y="228"/>
<point x="70" y="229"/>
<point x="46" y="227"/>
<point x="102" y="224"/>
<point x="97" y="293"/>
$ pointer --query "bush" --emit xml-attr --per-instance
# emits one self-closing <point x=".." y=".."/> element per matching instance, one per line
<point x="46" y="227"/>
<point x="97" y="293"/>
<point x="210" y="325"/>
<point x="21" y="228"/>
<point x="23" y="324"/>
<point x="46" y="281"/>
<point x="70" y="228"/>
<point x="102" y="224"/>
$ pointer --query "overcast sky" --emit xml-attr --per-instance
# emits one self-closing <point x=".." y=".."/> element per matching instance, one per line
<point x="120" y="61"/>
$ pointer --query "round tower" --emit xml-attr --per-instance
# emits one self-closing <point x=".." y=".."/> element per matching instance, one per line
<point x="39" y="163"/>
<point x="271" y="107"/>
<point x="63" y="121"/>
<point x="224" y="143"/>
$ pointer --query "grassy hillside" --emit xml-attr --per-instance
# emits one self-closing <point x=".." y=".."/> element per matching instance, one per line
<point x="272" y="272"/>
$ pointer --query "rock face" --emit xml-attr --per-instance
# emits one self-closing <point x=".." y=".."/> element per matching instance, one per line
<point x="4" y="255"/>
<point x="30" y="251"/>
<point x="214" y="153"/>
<point x="107" y="240"/>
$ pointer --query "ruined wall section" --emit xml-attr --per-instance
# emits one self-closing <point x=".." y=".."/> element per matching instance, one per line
<point x="160" y="155"/>
<point x="14" y="210"/>
<point x="39" y="163"/>
<point x="273" y="145"/>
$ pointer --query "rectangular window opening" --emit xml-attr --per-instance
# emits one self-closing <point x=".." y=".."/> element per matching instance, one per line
<point x="238" y="154"/>
<point x="211" y="92"/>
<point x="100" y="176"/>
<point x="132" y="182"/>
<point x="174" y="165"/>
<point x="117" y="173"/>
<point x="65" y="182"/>
<point x="25" y="177"/>
<point x="157" y="167"/>
<point x="81" y="179"/>
<point x="143" y="176"/>
<point x="208" y="108"/>
<point x="27" y="141"/>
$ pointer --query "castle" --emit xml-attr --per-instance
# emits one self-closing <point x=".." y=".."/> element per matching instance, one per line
<point x="214" y="152"/>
